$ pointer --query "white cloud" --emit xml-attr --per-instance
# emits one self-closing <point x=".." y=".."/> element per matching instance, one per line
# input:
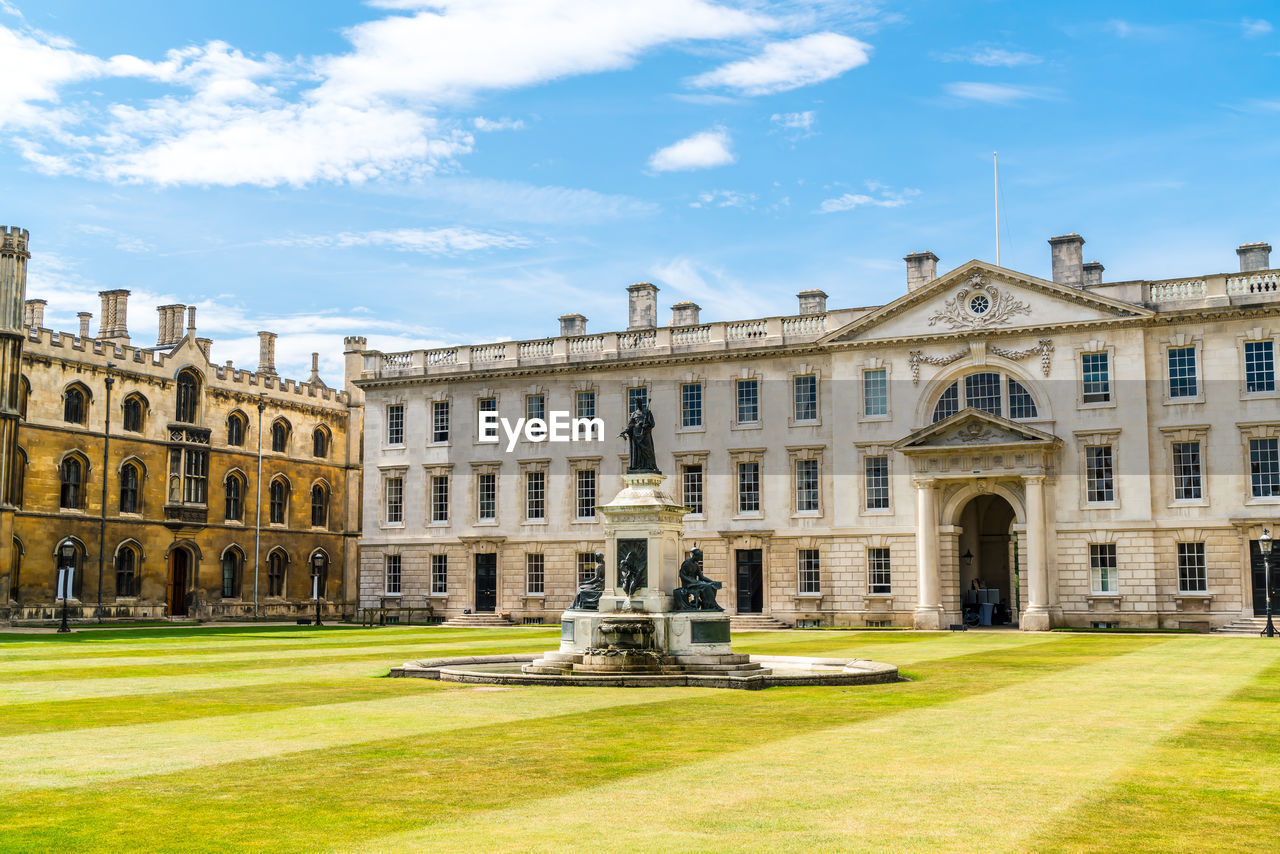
<point x="700" y="151"/>
<point x="789" y="65"/>
<point x="1128" y="29"/>
<point x="435" y="241"/>
<point x="798" y="121"/>
<point x="518" y="201"/>
<point x="877" y="196"/>
<point x="723" y="199"/>
<point x="34" y="67"/>
<point x="715" y="291"/>
<point x="1255" y="27"/>
<point x="480" y="123"/>
<point x="123" y="242"/>
<point x="991" y="57"/>
<point x="1002" y="94"/>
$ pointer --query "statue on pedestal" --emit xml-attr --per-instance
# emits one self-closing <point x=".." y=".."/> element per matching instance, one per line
<point x="639" y="436"/>
<point x="696" y="592"/>
<point x="629" y="574"/>
<point x="588" y="598"/>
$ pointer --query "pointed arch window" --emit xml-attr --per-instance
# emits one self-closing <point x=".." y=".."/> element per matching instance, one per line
<point x="127" y="564"/>
<point x="130" y="488"/>
<point x="133" y="411"/>
<point x="232" y="565"/>
<point x="77" y="566"/>
<point x="320" y="443"/>
<point x="319" y="506"/>
<point x="234" y="488"/>
<point x="18" y="478"/>
<point x="71" y="494"/>
<point x="280" y="435"/>
<point x="276" y="564"/>
<point x="74" y="405"/>
<point x="236" y="427"/>
<point x="188" y="400"/>
<point x="24" y="392"/>
<point x="279" y="501"/>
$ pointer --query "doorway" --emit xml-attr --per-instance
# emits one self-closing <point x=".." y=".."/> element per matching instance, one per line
<point x="486" y="582"/>
<point x="1259" y="573"/>
<point x="986" y="569"/>
<point x="750" y="576"/>
<point x="179" y="581"/>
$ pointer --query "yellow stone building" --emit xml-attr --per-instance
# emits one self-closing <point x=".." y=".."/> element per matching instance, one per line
<point x="173" y="486"/>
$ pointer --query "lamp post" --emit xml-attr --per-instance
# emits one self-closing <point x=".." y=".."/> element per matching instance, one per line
<point x="66" y="568"/>
<point x="1264" y="546"/>
<point x="102" y="524"/>
<point x="257" y="532"/>
<point x="317" y="570"/>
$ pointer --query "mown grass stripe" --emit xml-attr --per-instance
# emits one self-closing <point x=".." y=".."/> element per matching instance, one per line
<point x="397" y="783"/>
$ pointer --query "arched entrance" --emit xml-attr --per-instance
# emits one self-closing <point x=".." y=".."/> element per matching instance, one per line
<point x="180" y="576"/>
<point x="988" y="583"/>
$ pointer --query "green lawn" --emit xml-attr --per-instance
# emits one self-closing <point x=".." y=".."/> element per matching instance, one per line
<point x="286" y="739"/>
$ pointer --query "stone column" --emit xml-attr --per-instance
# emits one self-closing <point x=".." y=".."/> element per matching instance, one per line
<point x="928" y="613"/>
<point x="1036" y="617"/>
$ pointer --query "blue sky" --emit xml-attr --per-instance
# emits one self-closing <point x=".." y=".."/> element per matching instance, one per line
<point x="428" y="173"/>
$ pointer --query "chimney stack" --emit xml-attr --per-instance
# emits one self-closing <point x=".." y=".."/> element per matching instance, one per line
<point x="572" y="324"/>
<point x="642" y="306"/>
<point x="1254" y="257"/>
<point x="812" y="301"/>
<point x="111" y="322"/>
<point x="315" y="371"/>
<point x="191" y="319"/>
<point x="1067" y="253"/>
<point x="13" y="283"/>
<point x="205" y="345"/>
<point x="85" y="317"/>
<point x="267" y="353"/>
<point x="33" y="313"/>
<point x="922" y="268"/>
<point x="170" y="324"/>
<point x="685" y="313"/>
<point x="1093" y="273"/>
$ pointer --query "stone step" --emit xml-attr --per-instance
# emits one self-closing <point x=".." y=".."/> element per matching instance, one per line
<point x="755" y="622"/>
<point x="465" y="621"/>
<point x="1247" y="626"/>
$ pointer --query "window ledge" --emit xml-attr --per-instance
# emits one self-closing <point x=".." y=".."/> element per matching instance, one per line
<point x="747" y="425"/>
<point x="806" y="596"/>
<point x="535" y="596"/>
<point x="437" y="595"/>
<point x="534" y="522"/>
<point x="878" y="596"/>
<point x="585" y="521"/>
<point x="699" y="429"/>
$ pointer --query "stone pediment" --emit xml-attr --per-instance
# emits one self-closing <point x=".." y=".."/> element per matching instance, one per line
<point x="978" y="298"/>
<point x="970" y="428"/>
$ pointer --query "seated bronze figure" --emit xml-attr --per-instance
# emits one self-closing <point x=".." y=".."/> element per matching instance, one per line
<point x="696" y="592"/>
<point x="588" y="598"/>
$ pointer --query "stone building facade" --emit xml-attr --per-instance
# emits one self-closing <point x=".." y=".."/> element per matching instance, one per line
<point x="180" y="534"/>
<point x="1065" y="451"/>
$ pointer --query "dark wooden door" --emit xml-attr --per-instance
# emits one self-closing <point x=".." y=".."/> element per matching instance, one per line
<point x="178" y="583"/>
<point x="486" y="582"/>
<point x="750" y="581"/>
<point x="1260" y="581"/>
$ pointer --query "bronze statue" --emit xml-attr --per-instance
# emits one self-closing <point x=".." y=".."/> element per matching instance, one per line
<point x="696" y="592"/>
<point x="629" y="574"/>
<point x="639" y="436"/>
<point x="588" y="598"/>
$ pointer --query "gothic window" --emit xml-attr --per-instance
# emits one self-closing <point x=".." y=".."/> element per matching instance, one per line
<point x="276" y="563"/>
<point x="17" y="481"/>
<point x="24" y="392"/>
<point x="188" y="396"/>
<point x="127" y="571"/>
<point x="279" y="501"/>
<point x="234" y="489"/>
<point x="319" y="506"/>
<point x="133" y="410"/>
<point x="72" y="472"/>
<point x="232" y="561"/>
<point x="130" y="488"/>
<point x="320" y="443"/>
<point x="74" y="408"/>
<point x="236" y="427"/>
<point x="280" y="435"/>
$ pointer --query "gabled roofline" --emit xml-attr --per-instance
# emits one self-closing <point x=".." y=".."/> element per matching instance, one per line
<point x="950" y="279"/>
<point x="912" y="442"/>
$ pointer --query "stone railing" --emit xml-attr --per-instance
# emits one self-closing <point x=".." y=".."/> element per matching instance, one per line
<point x="730" y="335"/>
<point x="1178" y="289"/>
<point x="1254" y="283"/>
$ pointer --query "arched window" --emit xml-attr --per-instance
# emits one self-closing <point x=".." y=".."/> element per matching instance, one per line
<point x="236" y="425"/>
<point x="72" y="474"/>
<point x="276" y="563"/>
<point x="24" y="392"/>
<point x="320" y="443"/>
<point x="76" y="564"/>
<point x="279" y="500"/>
<point x="134" y="407"/>
<point x="235" y="498"/>
<point x="15" y="571"/>
<point x="320" y="564"/>
<point x="127" y="564"/>
<point x="280" y="435"/>
<point x="232" y="563"/>
<point x="130" y="488"/>
<point x="18" y="478"/>
<point x="188" y="396"/>
<point x="74" y="405"/>
<point x="988" y="391"/>
<point x="319" y="506"/>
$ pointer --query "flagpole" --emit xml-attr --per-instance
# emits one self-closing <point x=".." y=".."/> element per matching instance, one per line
<point x="995" y="166"/>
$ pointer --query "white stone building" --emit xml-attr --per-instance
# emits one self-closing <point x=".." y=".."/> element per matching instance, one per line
<point x="1071" y="452"/>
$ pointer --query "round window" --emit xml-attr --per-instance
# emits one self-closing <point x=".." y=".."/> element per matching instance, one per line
<point x="979" y="304"/>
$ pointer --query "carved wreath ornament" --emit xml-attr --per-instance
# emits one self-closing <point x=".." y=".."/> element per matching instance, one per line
<point x="978" y="305"/>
